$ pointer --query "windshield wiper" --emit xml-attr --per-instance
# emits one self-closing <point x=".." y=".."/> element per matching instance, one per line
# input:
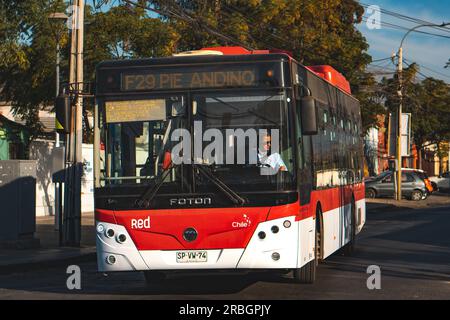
<point x="233" y="195"/>
<point x="148" y="196"/>
<point x="150" y="193"/>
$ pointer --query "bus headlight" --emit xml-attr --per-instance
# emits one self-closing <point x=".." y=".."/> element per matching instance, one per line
<point x="287" y="224"/>
<point x="100" y="228"/>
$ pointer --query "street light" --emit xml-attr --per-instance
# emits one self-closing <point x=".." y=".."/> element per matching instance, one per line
<point x="400" y="94"/>
<point x="58" y="17"/>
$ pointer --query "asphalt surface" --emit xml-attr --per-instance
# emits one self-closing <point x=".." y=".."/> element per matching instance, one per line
<point x="411" y="247"/>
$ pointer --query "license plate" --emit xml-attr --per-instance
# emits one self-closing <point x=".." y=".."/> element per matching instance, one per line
<point x="192" y="256"/>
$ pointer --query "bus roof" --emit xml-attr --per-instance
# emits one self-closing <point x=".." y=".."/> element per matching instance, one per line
<point x="192" y="59"/>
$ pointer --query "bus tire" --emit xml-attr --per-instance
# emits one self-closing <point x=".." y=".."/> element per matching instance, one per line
<point x="307" y="273"/>
<point x="154" y="277"/>
<point x="349" y="248"/>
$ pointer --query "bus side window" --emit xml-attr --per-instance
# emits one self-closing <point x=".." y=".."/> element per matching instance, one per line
<point x="299" y="140"/>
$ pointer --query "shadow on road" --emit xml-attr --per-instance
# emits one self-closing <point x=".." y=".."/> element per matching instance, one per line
<point x="213" y="283"/>
<point x="133" y="283"/>
<point x="405" y="243"/>
<point x="427" y="228"/>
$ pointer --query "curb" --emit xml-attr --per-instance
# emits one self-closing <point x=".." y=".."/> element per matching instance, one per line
<point x="49" y="263"/>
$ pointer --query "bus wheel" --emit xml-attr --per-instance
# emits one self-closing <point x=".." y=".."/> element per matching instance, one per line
<point x="154" y="277"/>
<point x="307" y="273"/>
<point x="349" y="248"/>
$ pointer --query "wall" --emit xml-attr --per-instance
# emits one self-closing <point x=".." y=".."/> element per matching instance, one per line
<point x="42" y="151"/>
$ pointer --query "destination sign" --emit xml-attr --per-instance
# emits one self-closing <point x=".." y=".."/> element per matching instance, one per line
<point x="135" y="110"/>
<point x="188" y="80"/>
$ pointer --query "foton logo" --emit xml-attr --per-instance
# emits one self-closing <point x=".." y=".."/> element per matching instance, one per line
<point x="190" y="201"/>
<point x="244" y="223"/>
<point x="140" y="223"/>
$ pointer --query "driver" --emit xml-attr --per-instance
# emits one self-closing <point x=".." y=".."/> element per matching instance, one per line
<point x="266" y="158"/>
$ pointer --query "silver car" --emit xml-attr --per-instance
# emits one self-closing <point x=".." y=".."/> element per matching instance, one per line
<point x="413" y="186"/>
<point x="443" y="182"/>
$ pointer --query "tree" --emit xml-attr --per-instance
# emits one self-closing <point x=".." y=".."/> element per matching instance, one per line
<point x="28" y="48"/>
<point x="123" y="33"/>
<point x="315" y="32"/>
<point x="433" y="110"/>
<point x="429" y="103"/>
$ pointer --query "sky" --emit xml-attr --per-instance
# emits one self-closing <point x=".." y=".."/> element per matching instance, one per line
<point x="430" y="52"/>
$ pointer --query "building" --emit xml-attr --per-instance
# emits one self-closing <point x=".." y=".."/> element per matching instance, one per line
<point x="375" y="148"/>
<point x="13" y="139"/>
<point x="435" y="161"/>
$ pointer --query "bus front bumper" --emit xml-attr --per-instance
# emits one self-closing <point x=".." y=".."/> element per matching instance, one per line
<point x="281" y="250"/>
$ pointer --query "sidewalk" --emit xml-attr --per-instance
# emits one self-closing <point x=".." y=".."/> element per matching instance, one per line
<point x="50" y="254"/>
<point x="437" y="199"/>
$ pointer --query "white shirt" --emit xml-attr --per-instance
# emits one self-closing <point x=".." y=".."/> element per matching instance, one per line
<point x="274" y="160"/>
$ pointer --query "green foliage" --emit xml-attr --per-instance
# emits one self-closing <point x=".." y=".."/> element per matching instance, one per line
<point x="428" y="101"/>
<point x="315" y="32"/>
<point x="123" y="33"/>
<point x="27" y="48"/>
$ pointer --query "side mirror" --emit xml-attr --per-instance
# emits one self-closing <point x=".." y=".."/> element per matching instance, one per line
<point x="308" y="112"/>
<point x="63" y="114"/>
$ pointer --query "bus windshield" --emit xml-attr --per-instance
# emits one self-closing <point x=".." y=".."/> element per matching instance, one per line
<point x="250" y="135"/>
<point x="241" y="139"/>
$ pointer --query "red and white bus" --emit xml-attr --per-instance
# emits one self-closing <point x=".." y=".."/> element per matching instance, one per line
<point x="156" y="216"/>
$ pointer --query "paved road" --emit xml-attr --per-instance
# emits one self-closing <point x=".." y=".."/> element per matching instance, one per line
<point x="412" y="248"/>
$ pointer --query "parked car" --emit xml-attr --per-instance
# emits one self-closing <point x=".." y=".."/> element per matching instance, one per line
<point x="422" y="174"/>
<point x="413" y="186"/>
<point x="442" y="182"/>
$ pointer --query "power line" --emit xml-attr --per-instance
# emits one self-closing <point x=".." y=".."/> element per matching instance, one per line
<point x="272" y="35"/>
<point x="398" y="27"/>
<point x="418" y="72"/>
<point x="384" y="59"/>
<point x="182" y="15"/>
<point x="429" y="69"/>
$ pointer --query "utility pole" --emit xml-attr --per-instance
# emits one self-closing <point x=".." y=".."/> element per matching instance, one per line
<point x="400" y="106"/>
<point x="61" y="18"/>
<point x="72" y="203"/>
<point x="399" y="125"/>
